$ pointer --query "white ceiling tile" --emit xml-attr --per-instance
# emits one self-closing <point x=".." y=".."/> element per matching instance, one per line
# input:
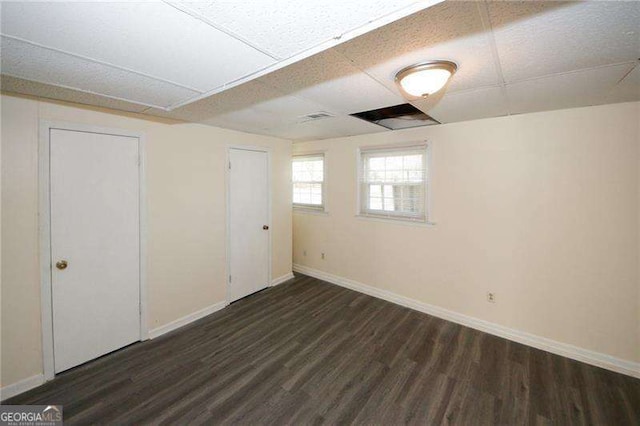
<point x="288" y="107"/>
<point x="326" y="128"/>
<point x="627" y="90"/>
<point x="469" y="105"/>
<point x="30" y="62"/>
<point x="149" y="37"/>
<point x="241" y="102"/>
<point x="277" y="112"/>
<point x="553" y="53"/>
<point x="331" y="80"/>
<point x="581" y="88"/>
<point x="17" y="85"/>
<point x="235" y="99"/>
<point x="536" y="38"/>
<point x="287" y="27"/>
<point x="247" y="120"/>
<point x="451" y="31"/>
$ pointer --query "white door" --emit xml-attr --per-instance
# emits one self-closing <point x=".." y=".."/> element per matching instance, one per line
<point x="95" y="218"/>
<point x="248" y="222"/>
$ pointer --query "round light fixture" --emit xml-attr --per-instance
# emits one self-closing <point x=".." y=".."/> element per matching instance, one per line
<point x="423" y="79"/>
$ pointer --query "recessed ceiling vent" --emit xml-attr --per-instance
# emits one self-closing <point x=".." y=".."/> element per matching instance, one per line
<point x="396" y="117"/>
<point x="315" y="116"/>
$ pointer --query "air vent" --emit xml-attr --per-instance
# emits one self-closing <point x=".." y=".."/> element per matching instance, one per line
<point x="396" y="117"/>
<point x="315" y="116"/>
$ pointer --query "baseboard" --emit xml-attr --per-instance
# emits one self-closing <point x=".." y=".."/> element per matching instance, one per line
<point x="584" y="355"/>
<point x="188" y="319"/>
<point x="29" y="383"/>
<point x="181" y="322"/>
<point x="17" y="388"/>
<point x="280" y="280"/>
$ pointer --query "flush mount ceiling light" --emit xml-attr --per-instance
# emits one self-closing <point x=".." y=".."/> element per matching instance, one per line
<point x="423" y="79"/>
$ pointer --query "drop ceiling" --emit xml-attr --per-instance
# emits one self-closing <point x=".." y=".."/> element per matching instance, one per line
<point x="262" y="66"/>
<point x="165" y="54"/>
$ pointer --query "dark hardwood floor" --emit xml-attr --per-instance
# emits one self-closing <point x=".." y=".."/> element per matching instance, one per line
<point x="308" y="352"/>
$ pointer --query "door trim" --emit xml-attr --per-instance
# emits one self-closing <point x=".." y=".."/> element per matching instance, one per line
<point x="44" y="219"/>
<point x="228" y="226"/>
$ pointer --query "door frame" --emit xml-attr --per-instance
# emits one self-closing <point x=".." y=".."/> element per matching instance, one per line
<point x="228" y="199"/>
<point x="44" y="219"/>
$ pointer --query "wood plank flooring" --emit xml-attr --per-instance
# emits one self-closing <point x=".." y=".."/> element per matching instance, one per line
<point x="308" y="352"/>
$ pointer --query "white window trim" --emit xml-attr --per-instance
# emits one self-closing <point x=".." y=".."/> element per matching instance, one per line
<point x="398" y="218"/>
<point x="312" y="208"/>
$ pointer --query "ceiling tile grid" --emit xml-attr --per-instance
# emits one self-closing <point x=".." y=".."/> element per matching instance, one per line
<point x="513" y="57"/>
<point x="32" y="62"/>
<point x="251" y="96"/>
<point x="541" y="38"/>
<point x="358" y="75"/>
<point x="160" y="41"/>
<point x="48" y="91"/>
<point x="288" y="27"/>
<point x="201" y="46"/>
<point x="452" y="30"/>
<point x="279" y="111"/>
<point x="333" y="81"/>
<point x="567" y="90"/>
<point x="326" y="128"/>
<point x="469" y="105"/>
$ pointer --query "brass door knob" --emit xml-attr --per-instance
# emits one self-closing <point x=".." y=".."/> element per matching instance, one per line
<point x="62" y="264"/>
<point x="265" y="227"/>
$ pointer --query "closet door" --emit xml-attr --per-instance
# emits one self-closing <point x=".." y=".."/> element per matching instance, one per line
<point x="249" y="222"/>
<point x="95" y="244"/>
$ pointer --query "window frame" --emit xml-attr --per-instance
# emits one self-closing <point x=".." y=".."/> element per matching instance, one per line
<point x="312" y="208"/>
<point x="397" y="217"/>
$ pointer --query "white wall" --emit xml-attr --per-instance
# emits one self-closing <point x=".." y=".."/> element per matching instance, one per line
<point x="186" y="218"/>
<point x="542" y="209"/>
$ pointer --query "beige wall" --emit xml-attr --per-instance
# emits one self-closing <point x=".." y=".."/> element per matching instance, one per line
<point x="185" y="172"/>
<point x="542" y="209"/>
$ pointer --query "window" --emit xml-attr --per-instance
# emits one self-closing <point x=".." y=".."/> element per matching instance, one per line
<point x="308" y="181"/>
<point x="393" y="182"/>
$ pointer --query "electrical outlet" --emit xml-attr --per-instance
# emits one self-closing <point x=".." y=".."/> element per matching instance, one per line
<point x="322" y="256"/>
<point x="491" y="297"/>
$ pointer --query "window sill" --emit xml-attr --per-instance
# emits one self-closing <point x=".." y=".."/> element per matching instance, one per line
<point x="398" y="221"/>
<point x="317" y="212"/>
